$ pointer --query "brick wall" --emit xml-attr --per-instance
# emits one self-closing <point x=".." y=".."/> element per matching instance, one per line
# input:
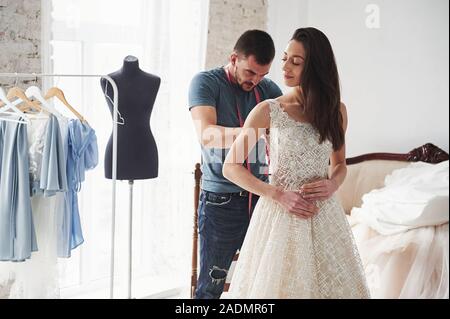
<point x="20" y="38"/>
<point x="228" y="19"/>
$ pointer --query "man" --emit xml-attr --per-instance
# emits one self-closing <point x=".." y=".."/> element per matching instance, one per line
<point x="219" y="101"/>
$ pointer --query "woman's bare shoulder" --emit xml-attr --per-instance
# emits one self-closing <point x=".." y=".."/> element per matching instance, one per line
<point x="260" y="115"/>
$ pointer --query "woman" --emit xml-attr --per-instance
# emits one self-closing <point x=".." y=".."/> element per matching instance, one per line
<point x="299" y="243"/>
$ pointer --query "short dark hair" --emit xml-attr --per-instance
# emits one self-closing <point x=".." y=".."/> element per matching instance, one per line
<point x="257" y="43"/>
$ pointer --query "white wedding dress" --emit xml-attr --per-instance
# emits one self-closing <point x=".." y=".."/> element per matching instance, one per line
<point x="284" y="256"/>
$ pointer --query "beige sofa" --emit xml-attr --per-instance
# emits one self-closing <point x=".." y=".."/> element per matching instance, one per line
<point x="397" y="266"/>
<point x="364" y="173"/>
<point x="362" y="178"/>
<point x="367" y="172"/>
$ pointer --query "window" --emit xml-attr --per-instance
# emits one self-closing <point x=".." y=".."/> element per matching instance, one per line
<point x="169" y="39"/>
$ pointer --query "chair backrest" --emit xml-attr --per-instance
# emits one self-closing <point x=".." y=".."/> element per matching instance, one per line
<point x="194" y="274"/>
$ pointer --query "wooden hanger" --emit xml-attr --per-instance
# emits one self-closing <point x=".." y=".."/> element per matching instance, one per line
<point x="18" y="93"/>
<point x="58" y="93"/>
<point x="7" y="107"/>
<point x="20" y="96"/>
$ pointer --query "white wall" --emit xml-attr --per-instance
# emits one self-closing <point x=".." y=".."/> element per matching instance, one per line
<point x="394" y="78"/>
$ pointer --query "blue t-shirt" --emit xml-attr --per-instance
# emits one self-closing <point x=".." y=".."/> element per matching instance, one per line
<point x="212" y="88"/>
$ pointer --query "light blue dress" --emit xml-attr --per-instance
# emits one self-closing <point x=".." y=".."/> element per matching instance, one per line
<point x="18" y="184"/>
<point x="17" y="235"/>
<point x="53" y="170"/>
<point x="2" y="135"/>
<point x="82" y="156"/>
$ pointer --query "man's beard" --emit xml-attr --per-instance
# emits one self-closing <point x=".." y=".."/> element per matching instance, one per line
<point x="246" y="86"/>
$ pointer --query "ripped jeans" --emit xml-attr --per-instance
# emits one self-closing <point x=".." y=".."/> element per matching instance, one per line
<point x="223" y="220"/>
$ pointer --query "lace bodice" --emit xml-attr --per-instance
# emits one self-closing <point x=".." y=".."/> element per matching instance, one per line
<point x="296" y="157"/>
<point x="36" y="138"/>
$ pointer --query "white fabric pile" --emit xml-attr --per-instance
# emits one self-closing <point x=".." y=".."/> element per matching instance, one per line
<point x="402" y="235"/>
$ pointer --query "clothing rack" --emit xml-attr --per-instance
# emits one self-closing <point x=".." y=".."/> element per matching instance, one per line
<point x="114" y="161"/>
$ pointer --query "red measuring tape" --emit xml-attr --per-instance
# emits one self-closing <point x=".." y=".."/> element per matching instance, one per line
<point x="241" y="123"/>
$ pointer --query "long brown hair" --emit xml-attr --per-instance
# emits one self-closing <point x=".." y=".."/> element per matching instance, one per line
<point x="320" y="86"/>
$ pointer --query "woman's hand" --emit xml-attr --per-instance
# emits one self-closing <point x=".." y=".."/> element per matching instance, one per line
<point x="320" y="190"/>
<point x="293" y="202"/>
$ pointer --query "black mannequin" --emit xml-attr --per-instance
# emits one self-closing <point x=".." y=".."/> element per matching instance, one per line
<point x="137" y="153"/>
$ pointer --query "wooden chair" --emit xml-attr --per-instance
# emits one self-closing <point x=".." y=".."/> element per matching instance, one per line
<point x="194" y="273"/>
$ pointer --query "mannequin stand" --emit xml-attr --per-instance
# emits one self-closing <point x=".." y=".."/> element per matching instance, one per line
<point x="130" y="240"/>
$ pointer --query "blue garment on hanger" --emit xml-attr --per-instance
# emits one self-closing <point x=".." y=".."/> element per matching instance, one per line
<point x="53" y="176"/>
<point x="82" y="156"/>
<point x="17" y="234"/>
<point x="2" y="135"/>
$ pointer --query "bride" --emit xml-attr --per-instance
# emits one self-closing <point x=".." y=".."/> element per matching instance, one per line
<point x="299" y="243"/>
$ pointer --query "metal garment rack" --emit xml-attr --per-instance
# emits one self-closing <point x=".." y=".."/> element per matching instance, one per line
<point x="114" y="161"/>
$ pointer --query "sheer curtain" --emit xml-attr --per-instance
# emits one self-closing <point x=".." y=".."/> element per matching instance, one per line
<point x="169" y="39"/>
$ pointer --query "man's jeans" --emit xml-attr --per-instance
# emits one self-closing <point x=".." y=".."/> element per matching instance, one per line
<point x="223" y="220"/>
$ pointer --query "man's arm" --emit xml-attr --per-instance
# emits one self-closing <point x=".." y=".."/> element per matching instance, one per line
<point x="209" y="133"/>
<point x="203" y="95"/>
